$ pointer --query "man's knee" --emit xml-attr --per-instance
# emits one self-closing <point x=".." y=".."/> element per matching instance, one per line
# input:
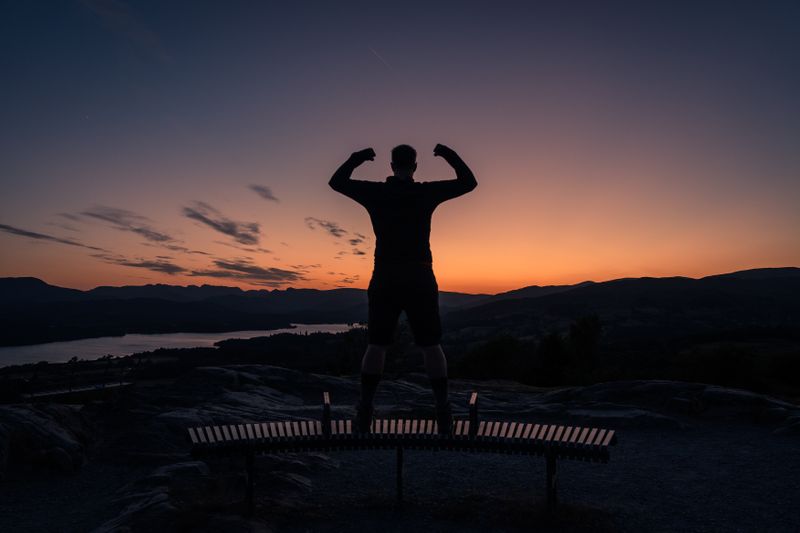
<point x="433" y="349"/>
<point x="377" y="348"/>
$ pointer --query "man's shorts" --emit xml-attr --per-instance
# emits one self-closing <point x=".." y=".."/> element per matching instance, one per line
<point x="411" y="288"/>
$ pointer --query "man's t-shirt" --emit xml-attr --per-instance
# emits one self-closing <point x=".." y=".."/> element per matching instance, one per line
<point x="401" y="214"/>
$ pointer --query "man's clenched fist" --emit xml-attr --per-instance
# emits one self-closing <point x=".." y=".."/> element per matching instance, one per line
<point x="361" y="156"/>
<point x="441" y="150"/>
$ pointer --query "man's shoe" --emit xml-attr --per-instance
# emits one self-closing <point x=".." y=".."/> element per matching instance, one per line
<point x="444" y="419"/>
<point x="364" y="414"/>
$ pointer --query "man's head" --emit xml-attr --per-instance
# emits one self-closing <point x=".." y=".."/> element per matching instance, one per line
<point x="404" y="161"/>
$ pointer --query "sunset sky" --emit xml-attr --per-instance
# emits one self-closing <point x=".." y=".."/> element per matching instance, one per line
<point x="191" y="142"/>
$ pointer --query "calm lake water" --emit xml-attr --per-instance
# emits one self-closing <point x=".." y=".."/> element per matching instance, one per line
<point x="58" y="352"/>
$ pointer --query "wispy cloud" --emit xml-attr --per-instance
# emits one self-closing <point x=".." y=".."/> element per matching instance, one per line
<point x="44" y="237"/>
<point x="124" y="220"/>
<point x="245" y="270"/>
<point x="331" y="227"/>
<point x="249" y="249"/>
<point x="179" y="248"/>
<point x="242" y="232"/>
<point x="63" y="225"/>
<point x="160" y="264"/>
<point x="119" y="18"/>
<point x="264" y="192"/>
<point x="354" y="239"/>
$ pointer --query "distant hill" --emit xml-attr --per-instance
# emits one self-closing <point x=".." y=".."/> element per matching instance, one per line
<point x="532" y="291"/>
<point x="14" y="290"/>
<point x="175" y="293"/>
<point x="650" y="308"/>
<point x="32" y="311"/>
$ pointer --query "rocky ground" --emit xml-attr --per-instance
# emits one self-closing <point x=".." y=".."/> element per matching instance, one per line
<point x="691" y="457"/>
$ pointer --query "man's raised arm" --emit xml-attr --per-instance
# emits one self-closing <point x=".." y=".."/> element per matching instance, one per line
<point x="465" y="180"/>
<point x="341" y="182"/>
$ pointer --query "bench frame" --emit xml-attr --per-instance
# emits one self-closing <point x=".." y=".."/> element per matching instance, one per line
<point x="471" y="434"/>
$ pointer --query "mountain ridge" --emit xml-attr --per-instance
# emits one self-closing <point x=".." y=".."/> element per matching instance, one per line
<point x="36" y="312"/>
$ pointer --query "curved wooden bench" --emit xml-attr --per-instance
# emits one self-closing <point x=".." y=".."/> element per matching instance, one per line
<point x="493" y="436"/>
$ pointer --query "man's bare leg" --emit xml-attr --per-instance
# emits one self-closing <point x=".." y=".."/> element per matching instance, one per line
<point x="372" y="363"/>
<point x="435" y="361"/>
<point x="371" y="371"/>
<point x="436" y="367"/>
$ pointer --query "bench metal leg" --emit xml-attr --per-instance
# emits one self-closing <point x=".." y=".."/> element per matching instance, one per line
<point x="251" y="475"/>
<point x="552" y="483"/>
<point x="399" y="474"/>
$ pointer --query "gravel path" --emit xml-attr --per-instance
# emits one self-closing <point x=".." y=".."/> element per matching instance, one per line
<point x="712" y="478"/>
<point x="723" y="470"/>
<point x="39" y="503"/>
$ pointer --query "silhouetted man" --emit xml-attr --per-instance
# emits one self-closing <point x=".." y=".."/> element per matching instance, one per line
<point x="403" y="280"/>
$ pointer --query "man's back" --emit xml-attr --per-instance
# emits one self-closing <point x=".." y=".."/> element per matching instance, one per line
<point x="400" y="211"/>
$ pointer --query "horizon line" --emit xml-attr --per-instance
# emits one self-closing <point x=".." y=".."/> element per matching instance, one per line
<point x="454" y="292"/>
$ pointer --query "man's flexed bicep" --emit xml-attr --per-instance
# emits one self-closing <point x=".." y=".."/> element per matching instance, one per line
<point x="465" y="180"/>
<point x="341" y="182"/>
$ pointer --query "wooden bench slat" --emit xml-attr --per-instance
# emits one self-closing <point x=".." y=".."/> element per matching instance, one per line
<point x="217" y="434"/>
<point x="250" y="434"/>
<point x="565" y="437"/>
<point x="584" y="434"/>
<point x="466" y="427"/>
<point x="193" y="436"/>
<point x="539" y="432"/>
<point x="559" y="432"/>
<point x="526" y="433"/>
<point x="609" y="438"/>
<point x="201" y="436"/>
<point x="600" y="435"/>
<point x="210" y="435"/>
<point x="503" y="430"/>
<point x="512" y="430"/>
<point x="590" y="437"/>
<point x="575" y="434"/>
<point x="257" y="430"/>
<point x="348" y="427"/>
<point x="281" y="429"/>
